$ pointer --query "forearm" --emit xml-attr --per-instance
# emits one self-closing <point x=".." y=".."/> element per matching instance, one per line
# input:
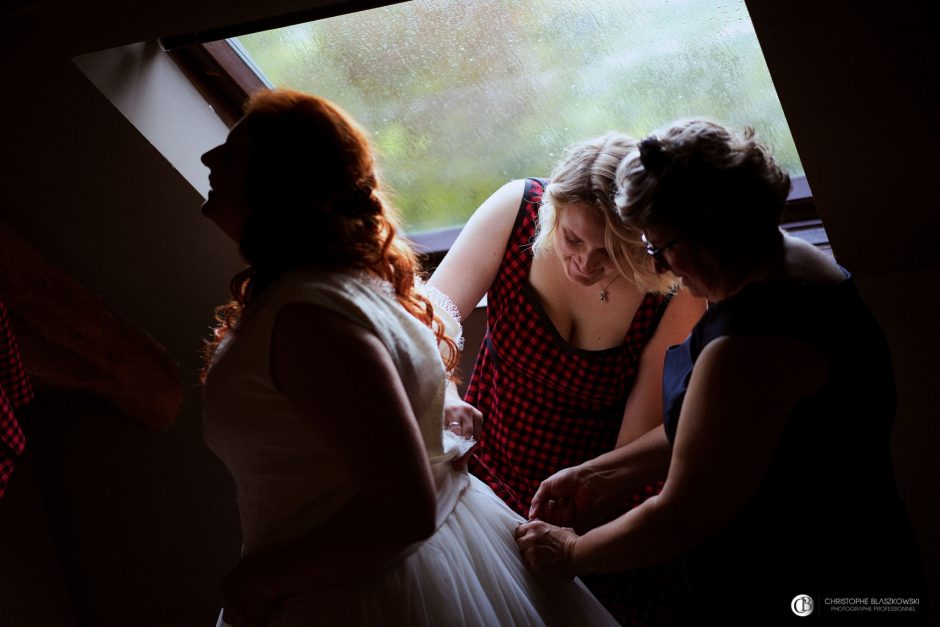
<point x="360" y="541"/>
<point x="632" y="466"/>
<point x="648" y="534"/>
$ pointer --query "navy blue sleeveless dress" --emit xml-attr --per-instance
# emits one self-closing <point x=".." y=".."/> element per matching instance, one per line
<point x="827" y="520"/>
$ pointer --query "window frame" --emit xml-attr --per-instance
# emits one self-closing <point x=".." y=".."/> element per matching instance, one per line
<point x="225" y="79"/>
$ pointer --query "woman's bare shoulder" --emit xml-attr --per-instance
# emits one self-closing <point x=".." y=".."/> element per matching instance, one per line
<point x="807" y="263"/>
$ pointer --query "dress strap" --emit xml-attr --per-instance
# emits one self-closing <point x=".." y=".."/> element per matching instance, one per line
<point x="663" y="303"/>
<point x="517" y="258"/>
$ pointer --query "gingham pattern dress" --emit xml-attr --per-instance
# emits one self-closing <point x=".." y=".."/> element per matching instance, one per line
<point x="548" y="405"/>
<point x="15" y="391"/>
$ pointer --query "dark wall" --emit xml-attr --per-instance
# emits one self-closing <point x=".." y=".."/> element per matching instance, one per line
<point x="854" y="80"/>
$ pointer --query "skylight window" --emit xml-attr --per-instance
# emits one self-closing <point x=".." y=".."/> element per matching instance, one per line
<point x="461" y="96"/>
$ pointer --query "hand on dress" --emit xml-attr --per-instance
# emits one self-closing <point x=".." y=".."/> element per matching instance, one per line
<point x="243" y="603"/>
<point x="572" y="498"/>
<point x="463" y="419"/>
<point x="548" y="550"/>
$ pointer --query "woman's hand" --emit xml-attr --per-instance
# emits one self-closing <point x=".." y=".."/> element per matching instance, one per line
<point x="548" y="551"/>
<point x="461" y="418"/>
<point x="572" y="497"/>
<point x="243" y="602"/>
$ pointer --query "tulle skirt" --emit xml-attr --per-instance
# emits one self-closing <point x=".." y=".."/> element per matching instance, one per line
<point x="468" y="574"/>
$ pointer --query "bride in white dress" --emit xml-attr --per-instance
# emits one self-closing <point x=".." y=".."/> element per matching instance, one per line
<point x="324" y="398"/>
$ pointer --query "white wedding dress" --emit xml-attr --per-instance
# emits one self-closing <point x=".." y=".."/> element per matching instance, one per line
<point x="468" y="573"/>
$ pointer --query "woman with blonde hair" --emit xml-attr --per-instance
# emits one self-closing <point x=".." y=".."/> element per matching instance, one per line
<point x="324" y="398"/>
<point x="577" y="328"/>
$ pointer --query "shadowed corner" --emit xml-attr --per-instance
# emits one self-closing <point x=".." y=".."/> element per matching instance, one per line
<point x="71" y="340"/>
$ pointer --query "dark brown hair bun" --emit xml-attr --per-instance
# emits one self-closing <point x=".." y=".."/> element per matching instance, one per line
<point x="654" y="156"/>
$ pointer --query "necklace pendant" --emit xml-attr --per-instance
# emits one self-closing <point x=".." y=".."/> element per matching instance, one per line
<point x="604" y="288"/>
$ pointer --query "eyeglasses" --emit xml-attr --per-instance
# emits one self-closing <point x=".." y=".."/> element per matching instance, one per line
<point x="657" y="252"/>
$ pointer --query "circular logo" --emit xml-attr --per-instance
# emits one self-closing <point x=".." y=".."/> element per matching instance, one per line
<point x="802" y="605"/>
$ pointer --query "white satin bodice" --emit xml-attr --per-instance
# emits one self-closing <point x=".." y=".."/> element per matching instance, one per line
<point x="288" y="481"/>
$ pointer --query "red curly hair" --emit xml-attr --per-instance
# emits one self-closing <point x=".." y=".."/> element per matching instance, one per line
<point x="315" y="201"/>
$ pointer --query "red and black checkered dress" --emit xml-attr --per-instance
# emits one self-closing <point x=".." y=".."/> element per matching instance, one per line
<point x="548" y="405"/>
<point x="15" y="391"/>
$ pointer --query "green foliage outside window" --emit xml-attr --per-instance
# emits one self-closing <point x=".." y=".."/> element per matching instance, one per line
<point x="461" y="96"/>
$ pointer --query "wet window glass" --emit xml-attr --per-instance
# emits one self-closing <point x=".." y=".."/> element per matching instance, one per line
<point x="461" y="96"/>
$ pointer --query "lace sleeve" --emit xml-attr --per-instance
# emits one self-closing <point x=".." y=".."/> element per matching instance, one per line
<point x="443" y="301"/>
<point x="447" y="312"/>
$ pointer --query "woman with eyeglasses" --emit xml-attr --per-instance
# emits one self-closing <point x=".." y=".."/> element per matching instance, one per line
<point x="777" y="408"/>
<point x="577" y="326"/>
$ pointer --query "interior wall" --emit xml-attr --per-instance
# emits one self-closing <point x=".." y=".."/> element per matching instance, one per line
<point x="908" y="313"/>
<point x="855" y="83"/>
<point x="33" y="591"/>
<point x="142" y="525"/>
<point x="150" y="90"/>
